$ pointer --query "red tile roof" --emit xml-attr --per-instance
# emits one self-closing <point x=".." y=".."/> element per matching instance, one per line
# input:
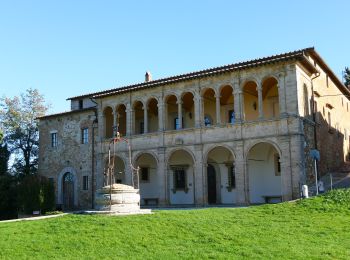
<point x="299" y="54"/>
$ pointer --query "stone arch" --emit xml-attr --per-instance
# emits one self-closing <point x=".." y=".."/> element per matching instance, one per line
<point x="149" y="181"/>
<point x="264" y="173"/>
<point x="211" y="147"/>
<point x="205" y="89"/>
<point x="60" y="186"/>
<point x="172" y="151"/>
<point x="225" y="85"/>
<point x="220" y="172"/>
<point x="140" y="153"/>
<point x="181" y="178"/>
<point x="168" y="94"/>
<point x="248" y="79"/>
<point x="149" y="98"/>
<point x="274" y="144"/>
<point x="270" y="75"/>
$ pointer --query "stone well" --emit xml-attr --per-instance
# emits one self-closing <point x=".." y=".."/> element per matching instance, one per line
<point x="125" y="199"/>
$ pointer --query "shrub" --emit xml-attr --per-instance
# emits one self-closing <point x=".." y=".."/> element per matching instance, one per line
<point x="8" y="197"/>
<point x="335" y="200"/>
<point x="36" y="193"/>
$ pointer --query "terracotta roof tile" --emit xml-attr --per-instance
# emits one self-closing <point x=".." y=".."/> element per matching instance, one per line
<point x="199" y="74"/>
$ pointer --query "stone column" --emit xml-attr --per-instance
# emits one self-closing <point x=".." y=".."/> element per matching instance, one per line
<point x="197" y="111"/>
<point x="287" y="169"/>
<point x="179" y="113"/>
<point x="114" y="122"/>
<point x="240" y="174"/>
<point x="218" y="117"/>
<point x="237" y="104"/>
<point x="161" y="119"/>
<point x="241" y="105"/>
<point x="198" y="176"/>
<point x="282" y="96"/>
<point x="260" y="101"/>
<point x="129" y="112"/>
<point x="162" y="178"/>
<point x="145" y="119"/>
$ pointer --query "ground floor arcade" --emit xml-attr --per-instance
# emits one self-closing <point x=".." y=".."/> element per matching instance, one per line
<point x="233" y="173"/>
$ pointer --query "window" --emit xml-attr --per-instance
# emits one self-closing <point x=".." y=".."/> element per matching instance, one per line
<point x="231" y="116"/>
<point x="81" y="104"/>
<point x="329" y="120"/>
<point x="207" y="120"/>
<point x="53" y="140"/>
<point x="231" y="177"/>
<point x="84" y="135"/>
<point x="85" y="182"/>
<point x="277" y="165"/>
<point x="144" y="176"/>
<point x="177" y="123"/>
<point x="179" y="179"/>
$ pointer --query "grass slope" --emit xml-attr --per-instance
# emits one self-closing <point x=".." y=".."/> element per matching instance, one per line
<point x="313" y="229"/>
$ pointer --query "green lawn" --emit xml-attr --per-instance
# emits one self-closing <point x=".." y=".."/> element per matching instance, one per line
<point x="316" y="228"/>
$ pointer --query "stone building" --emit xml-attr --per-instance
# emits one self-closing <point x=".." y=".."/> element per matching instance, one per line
<point x="236" y="134"/>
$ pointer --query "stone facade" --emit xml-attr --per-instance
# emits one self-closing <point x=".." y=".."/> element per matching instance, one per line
<point x="236" y="134"/>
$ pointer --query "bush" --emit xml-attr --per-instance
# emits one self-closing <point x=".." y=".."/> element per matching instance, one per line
<point x="8" y="197"/>
<point x="36" y="193"/>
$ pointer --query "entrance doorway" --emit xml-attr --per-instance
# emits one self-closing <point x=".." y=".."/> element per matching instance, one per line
<point x="211" y="174"/>
<point x="68" y="191"/>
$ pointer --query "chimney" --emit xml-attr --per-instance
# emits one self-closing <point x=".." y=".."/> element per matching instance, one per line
<point x="148" y="76"/>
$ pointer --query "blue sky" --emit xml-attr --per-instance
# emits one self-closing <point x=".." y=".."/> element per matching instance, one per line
<point x="68" y="48"/>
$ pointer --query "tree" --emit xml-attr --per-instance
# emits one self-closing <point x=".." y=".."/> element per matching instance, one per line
<point x="347" y="77"/>
<point x="8" y="185"/>
<point x="18" y="117"/>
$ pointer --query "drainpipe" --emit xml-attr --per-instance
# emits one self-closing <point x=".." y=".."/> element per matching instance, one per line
<point x="314" y="119"/>
<point x="94" y="125"/>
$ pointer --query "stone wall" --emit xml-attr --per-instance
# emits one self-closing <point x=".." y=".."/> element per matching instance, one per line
<point x="70" y="155"/>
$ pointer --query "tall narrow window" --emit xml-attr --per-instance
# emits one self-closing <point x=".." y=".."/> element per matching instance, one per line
<point x="81" y="104"/>
<point x="231" y="177"/>
<point x="329" y="119"/>
<point x="277" y="165"/>
<point x="53" y="140"/>
<point x="84" y="135"/>
<point x="85" y="182"/>
<point x="179" y="179"/>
